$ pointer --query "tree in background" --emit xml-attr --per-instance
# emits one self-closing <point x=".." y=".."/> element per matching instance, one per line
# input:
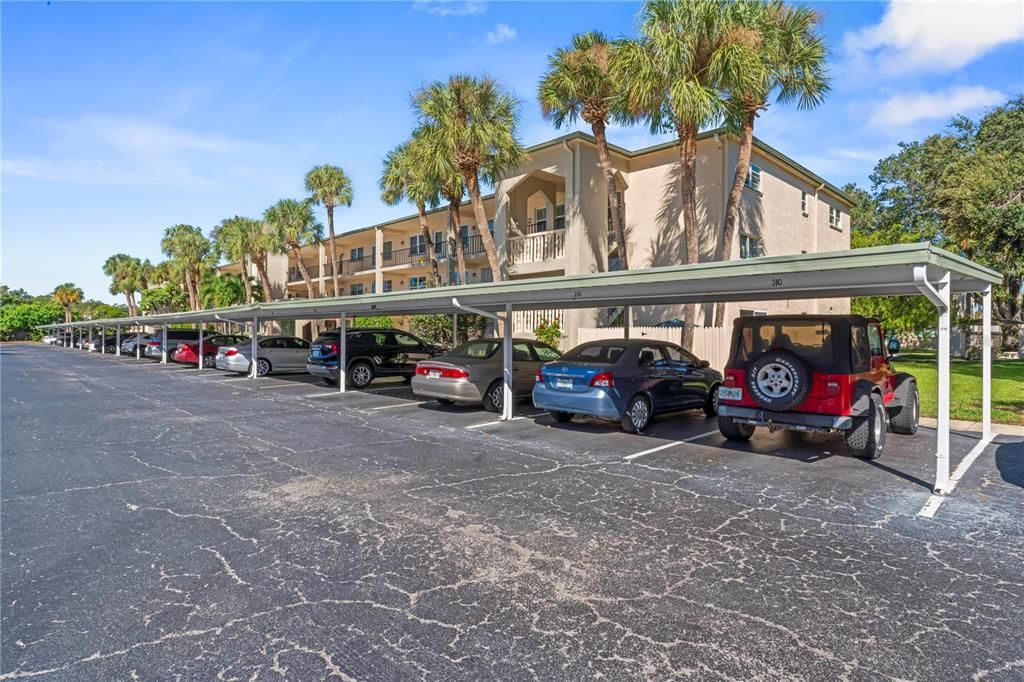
<point x="125" y="273"/>
<point x="580" y="84"/>
<point x="549" y="332"/>
<point x="22" y="318"/>
<point x="292" y="227"/>
<point x="224" y="290"/>
<point x="244" y="240"/>
<point x="677" y="77"/>
<point x="67" y="295"/>
<point x="10" y="296"/>
<point x="403" y="178"/>
<point x="437" y="329"/>
<point x="191" y="251"/>
<point x="329" y="187"/>
<point x="373" y="322"/>
<point x="471" y="123"/>
<point x="788" y="63"/>
<point x="169" y="297"/>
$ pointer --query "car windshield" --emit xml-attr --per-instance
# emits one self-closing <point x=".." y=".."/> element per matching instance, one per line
<point x="809" y="339"/>
<point x="476" y="349"/>
<point x="606" y="353"/>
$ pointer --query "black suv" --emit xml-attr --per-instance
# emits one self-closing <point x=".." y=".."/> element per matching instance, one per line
<point x="371" y="353"/>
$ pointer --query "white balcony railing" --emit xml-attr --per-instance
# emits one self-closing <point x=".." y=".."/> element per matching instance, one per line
<point x="536" y="247"/>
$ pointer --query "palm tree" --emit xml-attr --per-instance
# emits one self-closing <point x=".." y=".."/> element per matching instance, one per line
<point x="125" y="273"/>
<point x="403" y="179"/>
<point x="330" y="187"/>
<point x="66" y="295"/>
<point x="470" y="123"/>
<point x="186" y="245"/>
<point x="790" y="64"/>
<point x="244" y="240"/>
<point x="580" y="84"/>
<point x="677" y="76"/>
<point x="293" y="226"/>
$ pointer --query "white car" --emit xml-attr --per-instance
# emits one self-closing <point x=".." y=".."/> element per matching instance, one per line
<point x="276" y="354"/>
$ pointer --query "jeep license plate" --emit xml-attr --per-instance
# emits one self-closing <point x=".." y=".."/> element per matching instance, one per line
<point x="725" y="393"/>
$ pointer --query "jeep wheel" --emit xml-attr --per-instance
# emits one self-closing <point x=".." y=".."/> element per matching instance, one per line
<point x="867" y="437"/>
<point x="778" y="380"/>
<point x="733" y="430"/>
<point x="904" y="418"/>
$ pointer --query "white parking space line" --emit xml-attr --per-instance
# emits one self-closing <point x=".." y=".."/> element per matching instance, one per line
<point x="388" y="407"/>
<point x="503" y="421"/>
<point x="935" y="501"/>
<point x="666" y="446"/>
<point x="329" y="395"/>
<point x="387" y="388"/>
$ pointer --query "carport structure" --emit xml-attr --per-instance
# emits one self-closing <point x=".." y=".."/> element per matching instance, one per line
<point x="899" y="270"/>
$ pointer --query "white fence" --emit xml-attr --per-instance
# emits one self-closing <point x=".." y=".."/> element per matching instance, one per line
<point x="536" y="247"/>
<point x="525" y="321"/>
<point x="709" y="343"/>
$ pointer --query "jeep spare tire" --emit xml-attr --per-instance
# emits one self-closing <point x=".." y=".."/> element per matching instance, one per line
<point x="778" y="380"/>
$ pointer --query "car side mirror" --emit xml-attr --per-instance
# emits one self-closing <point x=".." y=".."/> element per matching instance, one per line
<point x="703" y="364"/>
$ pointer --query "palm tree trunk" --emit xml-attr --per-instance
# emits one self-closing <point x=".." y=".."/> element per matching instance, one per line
<point x="130" y="302"/>
<point x="732" y="208"/>
<point x="334" y="252"/>
<point x="67" y="314"/>
<point x="618" y="229"/>
<point x="473" y="185"/>
<point x="189" y="291"/>
<point x="261" y="270"/>
<point x="455" y="218"/>
<point x="245" y="280"/>
<point x="195" y="290"/>
<point x="297" y="252"/>
<point x="688" y="196"/>
<point x="421" y="209"/>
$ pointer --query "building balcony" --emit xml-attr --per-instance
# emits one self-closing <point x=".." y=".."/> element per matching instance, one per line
<point x="536" y="247"/>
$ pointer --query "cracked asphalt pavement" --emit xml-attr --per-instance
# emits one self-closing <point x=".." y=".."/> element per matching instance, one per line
<point x="162" y="523"/>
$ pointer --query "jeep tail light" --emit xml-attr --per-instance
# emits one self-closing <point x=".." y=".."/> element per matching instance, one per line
<point x="231" y="351"/>
<point x="603" y="380"/>
<point x="729" y="381"/>
<point x="832" y="388"/>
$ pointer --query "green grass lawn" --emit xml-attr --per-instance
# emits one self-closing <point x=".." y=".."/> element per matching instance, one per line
<point x="965" y="392"/>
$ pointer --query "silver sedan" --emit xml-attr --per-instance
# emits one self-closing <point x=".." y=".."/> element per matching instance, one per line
<point x="472" y="373"/>
<point x="276" y="354"/>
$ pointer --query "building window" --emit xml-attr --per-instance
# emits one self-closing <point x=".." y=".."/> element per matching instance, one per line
<point x="803" y="203"/>
<point x="486" y="275"/>
<point x="559" y="216"/>
<point x="417" y="246"/>
<point x="754" y="177"/>
<point x="750" y="247"/>
<point x="835" y="220"/>
<point x="490" y="225"/>
<point x="385" y="250"/>
<point x="417" y="282"/>
<point x="387" y="285"/>
<point x="464" y="234"/>
<point x="540" y="219"/>
<point x="357" y="253"/>
<point x="357" y="289"/>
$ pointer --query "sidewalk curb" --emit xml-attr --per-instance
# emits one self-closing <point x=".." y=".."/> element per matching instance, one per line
<point x="958" y="425"/>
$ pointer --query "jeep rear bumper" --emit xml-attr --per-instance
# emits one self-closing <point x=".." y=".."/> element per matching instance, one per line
<point x="799" y="421"/>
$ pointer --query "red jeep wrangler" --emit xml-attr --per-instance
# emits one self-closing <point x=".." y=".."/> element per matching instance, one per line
<point x="815" y="373"/>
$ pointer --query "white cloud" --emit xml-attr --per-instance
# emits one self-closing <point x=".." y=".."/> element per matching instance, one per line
<point x="500" y="34"/>
<point x="908" y="108"/>
<point x="934" y="36"/>
<point x="450" y="8"/>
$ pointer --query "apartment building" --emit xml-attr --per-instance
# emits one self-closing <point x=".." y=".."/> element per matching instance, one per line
<point x="552" y="218"/>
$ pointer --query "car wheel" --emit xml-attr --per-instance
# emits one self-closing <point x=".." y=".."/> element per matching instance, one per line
<point x="904" y="419"/>
<point x="262" y="367"/>
<point x="209" y="361"/>
<point x="562" y="417"/>
<point x="867" y="437"/>
<point x="637" y="415"/>
<point x="360" y="374"/>
<point x="494" y="397"/>
<point x="445" y="401"/>
<point x="711" y="404"/>
<point x="778" y="380"/>
<point x="734" y="430"/>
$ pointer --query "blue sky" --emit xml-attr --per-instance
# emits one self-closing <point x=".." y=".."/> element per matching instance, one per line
<point x="122" y="119"/>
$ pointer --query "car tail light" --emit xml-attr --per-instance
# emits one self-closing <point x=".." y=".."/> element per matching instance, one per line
<point x="231" y="351"/>
<point x="329" y="347"/>
<point x="446" y="372"/>
<point x="154" y="343"/>
<point x="539" y="378"/>
<point x="603" y="380"/>
<point x="729" y="381"/>
<point x="832" y="388"/>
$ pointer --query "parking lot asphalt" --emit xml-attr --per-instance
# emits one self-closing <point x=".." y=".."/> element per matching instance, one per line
<point x="160" y="522"/>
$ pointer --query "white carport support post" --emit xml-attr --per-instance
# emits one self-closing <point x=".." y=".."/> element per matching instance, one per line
<point x="986" y="364"/>
<point x="342" y="353"/>
<point x="103" y="340"/>
<point x="506" y="360"/>
<point x="138" y="343"/>
<point x="199" y="353"/>
<point x="940" y="298"/>
<point x="163" y="346"/>
<point x="253" y="349"/>
<point x="89" y="347"/>
<point x="455" y="330"/>
<point x="117" y="342"/>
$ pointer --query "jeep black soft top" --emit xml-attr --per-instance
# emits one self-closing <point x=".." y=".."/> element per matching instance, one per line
<point x="823" y="341"/>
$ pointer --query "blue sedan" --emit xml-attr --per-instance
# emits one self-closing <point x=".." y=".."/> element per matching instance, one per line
<point x="629" y="380"/>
